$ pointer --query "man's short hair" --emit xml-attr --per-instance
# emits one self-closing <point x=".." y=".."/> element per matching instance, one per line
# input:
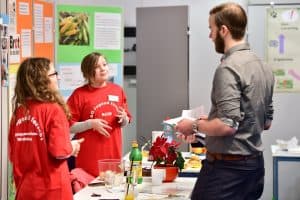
<point x="233" y="16"/>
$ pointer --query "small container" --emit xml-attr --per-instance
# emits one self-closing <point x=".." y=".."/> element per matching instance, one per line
<point x="111" y="172"/>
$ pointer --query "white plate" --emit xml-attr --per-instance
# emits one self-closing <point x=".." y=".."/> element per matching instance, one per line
<point x="294" y="150"/>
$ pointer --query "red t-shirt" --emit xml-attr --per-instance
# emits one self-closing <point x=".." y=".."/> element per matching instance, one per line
<point x="87" y="102"/>
<point x="39" y="142"/>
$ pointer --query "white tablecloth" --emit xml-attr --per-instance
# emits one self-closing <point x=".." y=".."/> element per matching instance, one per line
<point x="179" y="189"/>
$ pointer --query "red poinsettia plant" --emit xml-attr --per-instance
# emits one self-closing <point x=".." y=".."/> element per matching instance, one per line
<point x="165" y="153"/>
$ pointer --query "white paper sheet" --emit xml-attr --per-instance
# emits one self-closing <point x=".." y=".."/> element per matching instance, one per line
<point x="192" y="114"/>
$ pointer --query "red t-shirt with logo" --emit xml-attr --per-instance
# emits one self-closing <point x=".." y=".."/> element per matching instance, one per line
<point x="39" y="143"/>
<point x="87" y="102"/>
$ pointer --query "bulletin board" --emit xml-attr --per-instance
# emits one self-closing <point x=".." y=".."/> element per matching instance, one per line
<point x="34" y="27"/>
<point x="24" y="27"/>
<point x="81" y="30"/>
<point x="43" y="29"/>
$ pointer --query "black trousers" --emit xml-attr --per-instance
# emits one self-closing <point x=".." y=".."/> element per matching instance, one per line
<point x="230" y="180"/>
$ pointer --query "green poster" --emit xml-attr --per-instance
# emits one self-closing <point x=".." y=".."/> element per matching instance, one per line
<point x="81" y="30"/>
<point x="84" y="29"/>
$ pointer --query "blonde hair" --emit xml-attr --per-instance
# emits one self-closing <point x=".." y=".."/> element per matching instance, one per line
<point x="33" y="83"/>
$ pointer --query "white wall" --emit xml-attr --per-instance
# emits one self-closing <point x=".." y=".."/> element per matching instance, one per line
<point x="203" y="58"/>
<point x="286" y="117"/>
<point x="275" y="1"/>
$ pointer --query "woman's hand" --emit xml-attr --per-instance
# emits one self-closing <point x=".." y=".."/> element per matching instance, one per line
<point x="76" y="146"/>
<point x="122" y="115"/>
<point x="101" y="125"/>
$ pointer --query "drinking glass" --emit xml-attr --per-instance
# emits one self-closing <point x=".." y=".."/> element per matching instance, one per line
<point x="112" y="173"/>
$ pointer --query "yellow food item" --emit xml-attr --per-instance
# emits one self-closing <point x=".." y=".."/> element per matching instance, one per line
<point x="66" y="27"/>
<point x="193" y="162"/>
<point x="194" y="157"/>
<point x="65" y="20"/>
<point x="129" y="196"/>
<point x="71" y="32"/>
<point x="198" y="150"/>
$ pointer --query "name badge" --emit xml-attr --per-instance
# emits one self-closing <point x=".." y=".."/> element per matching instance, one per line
<point x="113" y="98"/>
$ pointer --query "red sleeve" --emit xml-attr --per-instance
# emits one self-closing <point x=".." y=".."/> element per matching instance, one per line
<point x="73" y="103"/>
<point x="59" y="144"/>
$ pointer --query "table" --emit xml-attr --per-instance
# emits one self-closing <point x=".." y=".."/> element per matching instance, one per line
<point x="180" y="188"/>
<point x="280" y="155"/>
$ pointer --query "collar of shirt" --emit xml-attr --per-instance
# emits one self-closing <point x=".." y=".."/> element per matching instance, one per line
<point x="239" y="47"/>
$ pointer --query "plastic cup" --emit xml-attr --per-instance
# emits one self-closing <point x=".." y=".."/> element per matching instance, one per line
<point x="158" y="176"/>
<point x="111" y="172"/>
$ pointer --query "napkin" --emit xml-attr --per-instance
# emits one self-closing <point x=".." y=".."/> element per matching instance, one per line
<point x="288" y="145"/>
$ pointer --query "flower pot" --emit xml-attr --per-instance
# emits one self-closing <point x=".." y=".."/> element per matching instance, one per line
<point x="171" y="172"/>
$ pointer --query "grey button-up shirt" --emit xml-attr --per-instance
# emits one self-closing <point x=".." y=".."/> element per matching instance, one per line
<point x="242" y="93"/>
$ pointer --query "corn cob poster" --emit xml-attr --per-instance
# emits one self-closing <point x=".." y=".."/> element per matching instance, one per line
<point x="43" y="29"/>
<point x="85" y="29"/>
<point x="283" y="31"/>
<point x="74" y="29"/>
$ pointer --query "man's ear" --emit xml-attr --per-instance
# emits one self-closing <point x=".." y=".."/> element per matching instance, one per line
<point x="223" y="31"/>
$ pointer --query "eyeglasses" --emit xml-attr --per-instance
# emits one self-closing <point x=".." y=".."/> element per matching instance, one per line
<point x="53" y="74"/>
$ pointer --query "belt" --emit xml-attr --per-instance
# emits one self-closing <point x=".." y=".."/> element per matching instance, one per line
<point x="220" y="156"/>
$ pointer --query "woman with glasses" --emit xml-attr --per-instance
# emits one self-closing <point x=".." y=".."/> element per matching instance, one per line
<point x="39" y="135"/>
<point x="99" y="110"/>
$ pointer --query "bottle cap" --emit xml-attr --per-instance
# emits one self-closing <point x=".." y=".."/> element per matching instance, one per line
<point x="134" y="143"/>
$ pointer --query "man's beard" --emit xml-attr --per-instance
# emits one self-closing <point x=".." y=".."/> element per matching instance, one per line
<point x="219" y="44"/>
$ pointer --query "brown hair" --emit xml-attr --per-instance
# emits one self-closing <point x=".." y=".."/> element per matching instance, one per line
<point x="33" y="83"/>
<point x="88" y="65"/>
<point x="233" y="16"/>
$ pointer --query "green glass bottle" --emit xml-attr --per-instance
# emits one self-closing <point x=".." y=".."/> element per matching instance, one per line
<point x="136" y="158"/>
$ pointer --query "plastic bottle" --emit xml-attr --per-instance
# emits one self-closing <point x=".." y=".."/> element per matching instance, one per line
<point x="131" y="192"/>
<point x="135" y="158"/>
<point x="168" y="132"/>
<point x="134" y="175"/>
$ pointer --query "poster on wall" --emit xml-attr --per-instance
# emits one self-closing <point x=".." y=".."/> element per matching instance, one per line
<point x="24" y="27"/>
<point x="11" y="10"/>
<point x="43" y="20"/>
<point x="4" y="50"/>
<point x="4" y="67"/>
<point x="85" y="29"/>
<point x="14" y="50"/>
<point x="283" y="31"/>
